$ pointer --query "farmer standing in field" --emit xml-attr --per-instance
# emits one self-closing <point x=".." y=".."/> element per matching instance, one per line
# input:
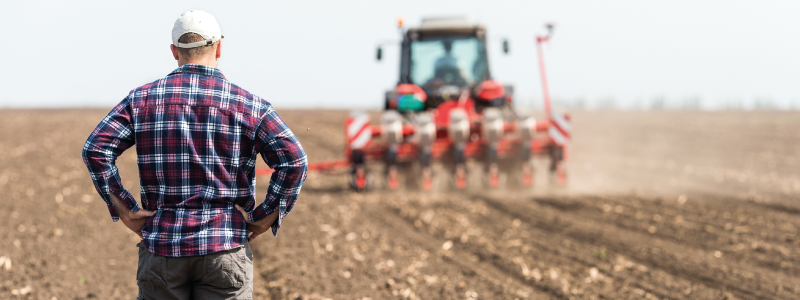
<point x="197" y="139"/>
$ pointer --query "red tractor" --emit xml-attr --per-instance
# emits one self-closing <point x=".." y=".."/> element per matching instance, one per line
<point x="447" y="108"/>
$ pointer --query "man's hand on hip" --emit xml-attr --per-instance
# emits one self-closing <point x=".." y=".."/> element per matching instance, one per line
<point x="257" y="228"/>
<point x="134" y="220"/>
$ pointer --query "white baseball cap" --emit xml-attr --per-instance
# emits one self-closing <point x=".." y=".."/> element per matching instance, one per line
<point x="199" y="22"/>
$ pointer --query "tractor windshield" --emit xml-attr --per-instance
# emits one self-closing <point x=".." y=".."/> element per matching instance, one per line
<point x="448" y="61"/>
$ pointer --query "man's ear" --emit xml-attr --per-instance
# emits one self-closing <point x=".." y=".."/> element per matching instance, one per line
<point x="219" y="46"/>
<point x="175" y="51"/>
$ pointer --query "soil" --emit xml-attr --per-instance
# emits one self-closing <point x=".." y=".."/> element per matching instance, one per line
<point x="660" y="205"/>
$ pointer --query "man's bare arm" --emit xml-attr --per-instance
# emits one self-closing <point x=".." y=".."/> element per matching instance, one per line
<point x="134" y="220"/>
<point x="260" y="226"/>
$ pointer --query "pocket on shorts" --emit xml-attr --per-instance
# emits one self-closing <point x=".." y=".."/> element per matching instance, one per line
<point x="148" y="273"/>
<point x="226" y="269"/>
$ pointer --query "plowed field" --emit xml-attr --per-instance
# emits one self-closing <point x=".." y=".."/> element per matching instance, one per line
<point x="660" y="205"/>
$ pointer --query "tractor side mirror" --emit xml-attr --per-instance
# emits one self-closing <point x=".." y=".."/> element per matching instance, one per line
<point x="379" y="54"/>
<point x="505" y="46"/>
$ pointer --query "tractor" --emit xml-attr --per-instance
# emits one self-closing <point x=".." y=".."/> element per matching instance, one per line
<point x="448" y="109"/>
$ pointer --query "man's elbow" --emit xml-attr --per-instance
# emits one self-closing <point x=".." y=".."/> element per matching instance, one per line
<point x="86" y="154"/>
<point x="90" y="153"/>
<point x="302" y="166"/>
<point x="302" y="162"/>
<point x="300" y="157"/>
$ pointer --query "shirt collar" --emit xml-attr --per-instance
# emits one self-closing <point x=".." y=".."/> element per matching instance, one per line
<point x="199" y="69"/>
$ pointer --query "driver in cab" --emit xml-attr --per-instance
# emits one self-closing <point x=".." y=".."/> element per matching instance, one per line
<point x="446" y="67"/>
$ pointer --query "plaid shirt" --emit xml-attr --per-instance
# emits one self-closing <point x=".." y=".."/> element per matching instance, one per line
<point x="197" y="139"/>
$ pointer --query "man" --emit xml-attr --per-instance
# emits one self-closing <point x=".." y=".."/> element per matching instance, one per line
<point x="447" y="60"/>
<point x="197" y="139"/>
<point x="446" y="67"/>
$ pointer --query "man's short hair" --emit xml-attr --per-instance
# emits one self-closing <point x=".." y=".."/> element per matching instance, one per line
<point x="195" y="52"/>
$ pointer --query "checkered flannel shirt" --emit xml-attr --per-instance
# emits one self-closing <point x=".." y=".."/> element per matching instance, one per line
<point x="197" y="139"/>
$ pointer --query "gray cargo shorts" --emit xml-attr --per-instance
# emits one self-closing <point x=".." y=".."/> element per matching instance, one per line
<point x="222" y="275"/>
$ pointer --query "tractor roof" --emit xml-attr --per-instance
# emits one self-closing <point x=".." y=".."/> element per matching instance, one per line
<point x="447" y="25"/>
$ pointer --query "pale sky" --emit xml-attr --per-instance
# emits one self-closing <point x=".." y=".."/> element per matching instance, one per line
<point x="321" y="54"/>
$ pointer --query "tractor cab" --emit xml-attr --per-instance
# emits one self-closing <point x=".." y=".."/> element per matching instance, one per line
<point x="445" y="59"/>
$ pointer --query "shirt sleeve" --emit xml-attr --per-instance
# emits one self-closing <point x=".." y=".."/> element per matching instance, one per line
<point x="112" y="136"/>
<point x="283" y="153"/>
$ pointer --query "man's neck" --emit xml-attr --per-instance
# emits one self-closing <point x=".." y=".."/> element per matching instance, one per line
<point x="211" y="63"/>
